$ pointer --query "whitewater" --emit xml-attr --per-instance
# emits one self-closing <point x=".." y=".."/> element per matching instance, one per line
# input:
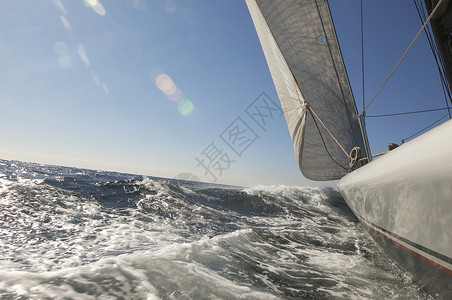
<point x="69" y="233"/>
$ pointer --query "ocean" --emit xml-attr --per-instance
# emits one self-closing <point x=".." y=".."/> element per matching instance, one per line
<point x="69" y="233"/>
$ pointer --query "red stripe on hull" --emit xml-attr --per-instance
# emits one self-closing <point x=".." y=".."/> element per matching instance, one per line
<point x="440" y="267"/>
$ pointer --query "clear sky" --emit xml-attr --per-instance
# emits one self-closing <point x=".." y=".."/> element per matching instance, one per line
<point x="151" y="86"/>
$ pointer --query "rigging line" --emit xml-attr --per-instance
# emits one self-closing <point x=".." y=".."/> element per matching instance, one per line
<point x="362" y="121"/>
<point x="403" y="140"/>
<point x="337" y="65"/>
<point x="447" y="103"/>
<point x="379" y="154"/>
<point x="438" y="58"/>
<point x="323" y="141"/>
<point x="362" y="55"/>
<point x="334" y="138"/>
<point x="446" y="89"/>
<point x="408" y="113"/>
<point x="406" y="52"/>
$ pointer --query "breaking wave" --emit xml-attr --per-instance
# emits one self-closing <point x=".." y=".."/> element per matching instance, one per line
<point x="84" y="234"/>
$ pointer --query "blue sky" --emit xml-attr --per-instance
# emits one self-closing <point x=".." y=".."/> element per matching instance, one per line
<point x="150" y="86"/>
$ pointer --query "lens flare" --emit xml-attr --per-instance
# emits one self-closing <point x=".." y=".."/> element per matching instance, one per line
<point x="166" y="85"/>
<point x="172" y="91"/>
<point x="156" y="72"/>
<point x="106" y="90"/>
<point x="90" y="3"/>
<point x="185" y="107"/>
<point x="96" y="79"/>
<point x="64" y="62"/>
<point x="96" y="6"/>
<point x="65" y="23"/>
<point x="176" y="96"/>
<point x="139" y="5"/>
<point x="164" y="82"/>
<point x="61" y="48"/>
<point x="60" y="6"/>
<point x="82" y="53"/>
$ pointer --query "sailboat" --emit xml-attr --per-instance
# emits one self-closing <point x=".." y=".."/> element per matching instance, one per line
<point x="403" y="197"/>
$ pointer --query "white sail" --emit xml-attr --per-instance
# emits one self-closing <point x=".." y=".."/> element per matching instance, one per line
<point x="301" y="49"/>
<point x="292" y="101"/>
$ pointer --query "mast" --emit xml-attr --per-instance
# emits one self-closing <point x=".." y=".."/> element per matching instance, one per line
<point x="442" y="28"/>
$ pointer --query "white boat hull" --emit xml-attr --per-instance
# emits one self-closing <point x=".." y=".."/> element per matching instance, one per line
<point x="405" y="199"/>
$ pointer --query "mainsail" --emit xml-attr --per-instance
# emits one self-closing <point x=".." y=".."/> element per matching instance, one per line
<point x="305" y="61"/>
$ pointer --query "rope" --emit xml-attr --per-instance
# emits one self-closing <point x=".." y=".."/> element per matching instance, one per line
<point x="403" y="140"/>
<point x="408" y="113"/>
<point x="403" y="56"/>
<point x="334" y="138"/>
<point x="323" y="141"/>
<point x="379" y="154"/>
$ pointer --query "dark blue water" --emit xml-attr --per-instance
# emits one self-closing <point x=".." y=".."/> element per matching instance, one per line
<point x="68" y="233"/>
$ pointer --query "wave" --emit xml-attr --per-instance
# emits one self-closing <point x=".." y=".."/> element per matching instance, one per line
<point x="86" y="234"/>
<point x="238" y="265"/>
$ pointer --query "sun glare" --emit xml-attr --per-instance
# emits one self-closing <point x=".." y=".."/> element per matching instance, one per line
<point x="106" y="90"/>
<point x="64" y="62"/>
<point x="185" y="107"/>
<point x="60" y="6"/>
<point x="62" y="49"/>
<point x="166" y="85"/>
<point x="96" y="6"/>
<point x="139" y="5"/>
<point x="96" y="80"/>
<point x="65" y="23"/>
<point x="173" y="93"/>
<point x="82" y="53"/>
